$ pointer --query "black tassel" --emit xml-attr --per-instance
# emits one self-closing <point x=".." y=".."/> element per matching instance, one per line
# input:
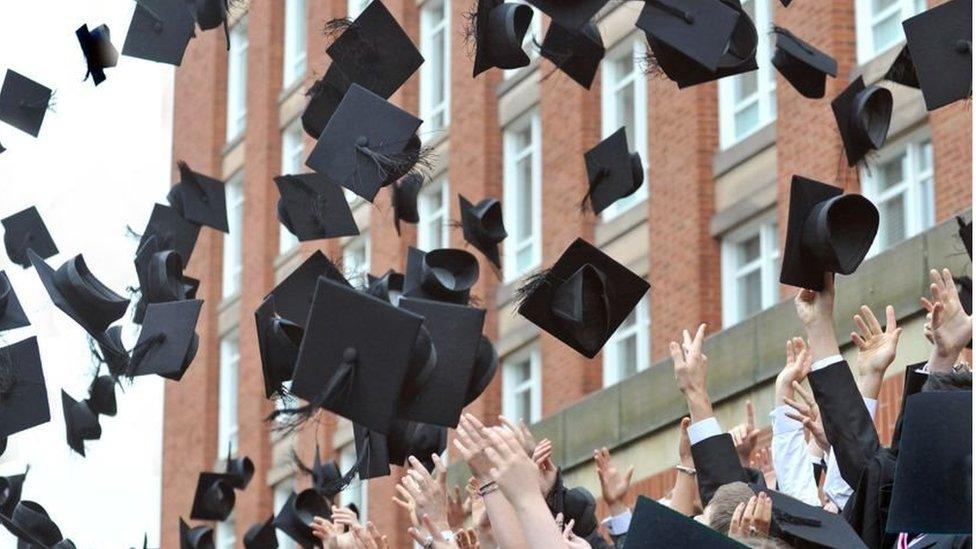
<point x="531" y="284"/>
<point x="649" y="64"/>
<point x="131" y="233"/>
<point x="335" y="27"/>
<point x="470" y="31"/>
<point x="303" y="470"/>
<point x="288" y="421"/>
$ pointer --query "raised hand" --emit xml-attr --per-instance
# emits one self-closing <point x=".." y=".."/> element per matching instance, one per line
<point x="467" y="539"/>
<point x="429" y="537"/>
<point x="951" y="327"/>
<point x="522" y="434"/>
<point x="457" y="508"/>
<point x="515" y="474"/>
<point x="816" y="307"/>
<point x="542" y="456"/>
<point x="572" y="540"/>
<point x="471" y="443"/>
<point x="332" y="537"/>
<point x="368" y="537"/>
<point x="876" y="347"/>
<point x="808" y="413"/>
<point x="690" y="365"/>
<point x="752" y="519"/>
<point x="427" y="493"/>
<point x="343" y="518"/>
<point x="797" y="367"/>
<point x="745" y="434"/>
<point x="613" y="484"/>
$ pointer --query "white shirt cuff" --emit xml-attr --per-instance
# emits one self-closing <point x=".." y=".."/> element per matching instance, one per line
<point x="618" y="525"/>
<point x="781" y="423"/>
<point x="703" y="429"/>
<point x="824" y="362"/>
<point x="872" y="406"/>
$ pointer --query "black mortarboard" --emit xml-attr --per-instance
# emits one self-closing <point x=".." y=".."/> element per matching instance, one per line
<point x="311" y="207"/>
<point x="613" y="171"/>
<point x="101" y="396"/>
<point x="23" y="394"/>
<point x="80" y="423"/>
<point x="211" y="14"/>
<point x="31" y="525"/>
<point x="863" y="115"/>
<point x="198" y="537"/>
<point x="160" y="275"/>
<point x="966" y="235"/>
<point x="278" y="342"/>
<point x="100" y="54"/>
<point x="75" y="290"/>
<point x="293" y="294"/>
<point x="261" y="535"/>
<point x="657" y="525"/>
<point x="375" y="52"/>
<point x="323" y="99"/>
<point x="160" y="31"/>
<point x="485" y="366"/>
<point x="200" y="199"/>
<point x="940" y="41"/>
<point x="388" y="287"/>
<point x="447" y="274"/>
<point x="172" y="231"/>
<point x="483" y="226"/>
<point x="403" y="198"/>
<point x="23" y="102"/>
<point x="701" y="30"/>
<point x="802" y="65"/>
<point x="12" y="315"/>
<point x="114" y="354"/>
<point x="214" y="498"/>
<point x="297" y="514"/>
<point x="577" y="53"/>
<point x="932" y="490"/>
<point x="412" y="438"/>
<point x="26" y="230"/>
<point x="168" y="341"/>
<point x="239" y="471"/>
<point x="803" y="525"/>
<point x="354" y="358"/>
<point x="827" y="231"/>
<point x="964" y="285"/>
<point x="571" y="15"/>
<point x="499" y="30"/>
<point x="902" y="70"/>
<point x="372" y="453"/>
<point x="365" y="142"/>
<point x="325" y="474"/>
<point x="583" y="298"/>
<point x="455" y="332"/>
<point x="11" y="488"/>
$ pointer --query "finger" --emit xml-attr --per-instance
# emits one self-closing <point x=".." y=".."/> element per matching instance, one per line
<point x="798" y="407"/>
<point x="800" y="344"/>
<point x="767" y="511"/>
<point x="735" y="526"/>
<point x="926" y="304"/>
<point x="508" y="424"/>
<point x="493" y="456"/>
<point x="750" y="416"/>
<point x="686" y="340"/>
<point x="417" y="536"/>
<point x="937" y="312"/>
<point x="699" y="337"/>
<point x="750" y="511"/>
<point x="629" y="475"/>
<point x="862" y="327"/>
<point x="804" y="394"/>
<point x="789" y="352"/>
<point x="420" y="470"/>
<point x="568" y="530"/>
<point x="676" y="355"/>
<point x="858" y="340"/>
<point x="872" y="320"/>
<point x="439" y="468"/>
<point x="891" y="323"/>
<point x="796" y="416"/>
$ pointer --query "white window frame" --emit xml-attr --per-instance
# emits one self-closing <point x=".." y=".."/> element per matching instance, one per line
<point x="233" y="248"/>
<point x="917" y="186"/>
<point x="635" y="47"/>
<point x="765" y="88"/>
<point x="641" y="329"/>
<point x="512" y="156"/>
<point x="227" y="420"/>
<point x="237" y="81"/>
<point x="532" y="36"/>
<point x="225" y="534"/>
<point x="295" y="56"/>
<point x="428" y="28"/>
<point x="533" y="384"/>
<point x="865" y="21"/>
<point x="439" y="191"/>
<point x="768" y="265"/>
<point x="283" y="491"/>
<point x="355" y="7"/>
<point x="358" y="277"/>
<point x="292" y="150"/>
<point x="358" y="488"/>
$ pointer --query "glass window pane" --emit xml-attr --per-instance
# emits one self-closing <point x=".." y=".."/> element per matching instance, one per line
<point x="624" y="109"/>
<point x="746" y="120"/>
<point x="746" y="85"/>
<point x="627" y="356"/>
<point x="893" y="221"/>
<point x="878" y="5"/>
<point x="891" y="173"/>
<point x="886" y="32"/>
<point x="925" y="156"/>
<point x="748" y="251"/>
<point x="750" y="294"/>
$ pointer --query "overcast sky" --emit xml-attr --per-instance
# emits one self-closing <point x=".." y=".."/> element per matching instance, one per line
<point x="101" y="160"/>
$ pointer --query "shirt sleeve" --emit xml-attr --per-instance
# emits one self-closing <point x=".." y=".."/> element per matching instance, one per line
<point x="618" y="525"/>
<point x="824" y="362"/>
<point x="790" y="458"/>
<point x="703" y="429"/>
<point x="835" y="487"/>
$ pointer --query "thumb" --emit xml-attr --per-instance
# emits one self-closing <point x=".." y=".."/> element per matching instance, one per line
<point x="629" y="475"/>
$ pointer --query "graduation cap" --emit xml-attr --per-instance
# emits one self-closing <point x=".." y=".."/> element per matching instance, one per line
<point x="932" y="491"/>
<point x="214" y="498"/>
<point x="966" y="235"/>
<point x="26" y="230"/>
<point x="827" y="231"/>
<point x="296" y="516"/>
<point x="75" y="290"/>
<point x="11" y="488"/>
<point x="23" y="102"/>
<point x="211" y="14"/>
<point x="483" y="371"/>
<point x="311" y="207"/>
<point x="455" y="332"/>
<point x="413" y="438"/>
<point x="365" y="142"/>
<point x="483" y="226"/>
<point x="11" y="313"/>
<point x="657" y="525"/>
<point x="583" y="298"/>
<point x="446" y="274"/>
<point x="902" y="70"/>
<point x="372" y="453"/>
<point x="200" y="199"/>
<point x="324" y="474"/>
<point x="940" y="42"/>
<point x="375" y="52"/>
<point x="278" y="343"/>
<point x="388" y="287"/>
<point x="160" y="275"/>
<point x="613" y="171"/>
<point x="700" y="31"/>
<point x="23" y="394"/>
<point x="172" y="231"/>
<point x="576" y="504"/>
<point x="354" y="358"/>
<point x="499" y="30"/>
<point x="572" y="15"/>
<point x="80" y="423"/>
<point x="577" y="53"/>
<point x="101" y="396"/>
<point x="160" y="31"/>
<point x="112" y="350"/>
<point x="803" y="525"/>
<point x="323" y="99"/>
<point x="293" y="294"/>
<point x="31" y="525"/>
<point x="863" y="114"/>
<point x="168" y="341"/>
<point x="261" y="535"/>
<point x="99" y="52"/>
<point x="239" y="471"/>
<point x="403" y="200"/>
<point x="198" y="537"/>
<point x="802" y="65"/>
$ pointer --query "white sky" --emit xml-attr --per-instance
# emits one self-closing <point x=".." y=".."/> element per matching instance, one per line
<point x="100" y="162"/>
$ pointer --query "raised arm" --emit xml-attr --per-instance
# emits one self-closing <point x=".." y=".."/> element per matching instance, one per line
<point x="950" y="327"/>
<point x="790" y="457"/>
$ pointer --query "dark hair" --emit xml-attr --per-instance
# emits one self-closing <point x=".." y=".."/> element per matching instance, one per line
<point x="723" y="504"/>
<point x="956" y="380"/>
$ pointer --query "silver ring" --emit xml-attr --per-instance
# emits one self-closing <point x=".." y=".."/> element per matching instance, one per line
<point x="429" y="542"/>
<point x="753" y="530"/>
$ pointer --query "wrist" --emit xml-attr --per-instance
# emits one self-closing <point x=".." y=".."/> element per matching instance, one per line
<point x="939" y="362"/>
<point x="617" y="508"/>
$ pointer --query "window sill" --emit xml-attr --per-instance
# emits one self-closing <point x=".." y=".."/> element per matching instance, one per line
<point x="727" y="159"/>
<point x="507" y="84"/>
<point x="290" y="89"/>
<point x="506" y="288"/>
<point x="611" y="228"/>
<point x="233" y="143"/>
<point x="437" y="137"/>
<point x="286" y="256"/>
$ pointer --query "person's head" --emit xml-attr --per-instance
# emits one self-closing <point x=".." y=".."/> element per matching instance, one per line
<point x="718" y="513"/>
<point x="955" y="380"/>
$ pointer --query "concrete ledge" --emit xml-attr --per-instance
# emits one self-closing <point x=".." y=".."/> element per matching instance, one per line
<point x="725" y="160"/>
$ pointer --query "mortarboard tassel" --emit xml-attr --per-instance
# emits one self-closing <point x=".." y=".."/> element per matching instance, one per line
<point x="337" y="389"/>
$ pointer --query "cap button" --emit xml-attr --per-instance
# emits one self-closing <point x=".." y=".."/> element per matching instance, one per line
<point x="689" y="18"/>
<point x="362" y="141"/>
<point x="963" y="46"/>
<point x="349" y="355"/>
<point x="158" y="27"/>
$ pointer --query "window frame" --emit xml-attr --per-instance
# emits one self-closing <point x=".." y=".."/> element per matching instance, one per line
<point x="292" y="150"/>
<point x="361" y="240"/>
<point x="439" y="186"/>
<point x="510" y="159"/>
<point x="232" y="250"/>
<point x="865" y="22"/>
<point x="295" y="54"/>
<point x="533" y="385"/>
<point x="225" y="533"/>
<point x="428" y="110"/>
<point x="355" y="7"/>
<point x="237" y="81"/>
<point x="228" y="424"/>
<point x="768" y="264"/>
<point x="642" y="330"/>
<point x="765" y="95"/>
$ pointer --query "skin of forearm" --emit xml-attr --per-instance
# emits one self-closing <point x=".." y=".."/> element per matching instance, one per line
<point x="683" y="495"/>
<point x="504" y="522"/>
<point x="941" y="362"/>
<point x="869" y="384"/>
<point x="617" y="508"/>
<point x="699" y="405"/>
<point x="784" y="390"/>
<point x="538" y="527"/>
<point x="822" y="339"/>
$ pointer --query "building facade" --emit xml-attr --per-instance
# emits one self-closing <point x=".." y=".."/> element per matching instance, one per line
<point x="706" y="229"/>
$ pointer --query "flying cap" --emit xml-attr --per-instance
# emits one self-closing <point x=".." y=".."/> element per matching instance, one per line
<point x="100" y="54"/>
<point x="388" y="287"/>
<point x="863" y="114"/>
<point x="902" y="70"/>
<point x="802" y="65"/>
<point x="499" y="30"/>
<point x="12" y="314"/>
<point x="573" y="15"/>
<point x="11" y="488"/>
<point x="296" y="516"/>
<point x="23" y="393"/>
<point x="168" y="341"/>
<point x="403" y="198"/>
<point x="80" y="423"/>
<point x="323" y="99"/>
<point x="577" y="53"/>
<point x="261" y="535"/>
<point x="198" y="537"/>
<point x="278" y="343"/>
<point x="940" y="41"/>
<point x="446" y="274"/>
<point x="75" y="290"/>
<point x="26" y="230"/>
<point x="200" y="199"/>
<point x="31" y="525"/>
<point x="292" y="295"/>
<point x="483" y="226"/>
<point x="172" y="231"/>
<point x="612" y="170"/>
<point x="23" y="102"/>
<point x="160" y="31"/>
<point x="214" y="498"/>
<point x="312" y="208"/>
<point x="700" y="29"/>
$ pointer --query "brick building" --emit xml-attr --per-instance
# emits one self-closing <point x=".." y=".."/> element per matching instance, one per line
<point x="706" y="229"/>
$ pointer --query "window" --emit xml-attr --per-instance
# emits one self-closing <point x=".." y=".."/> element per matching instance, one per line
<point x="879" y="24"/>
<point x="295" y="58"/>
<point x="747" y="102"/>
<point x="522" y="385"/>
<point x="523" y="195"/>
<point x="358" y="491"/>
<point x="355" y="260"/>
<point x="227" y="410"/>
<point x="237" y="81"/>
<point x="292" y="150"/>
<point x="625" y="104"/>
<point x="435" y="73"/>
<point x="225" y="535"/>
<point x="355" y="7"/>
<point x="628" y="351"/>
<point x="282" y="491"/>
<point x="432" y="207"/>
<point x="532" y="37"/>
<point x="901" y="187"/>
<point x="750" y="270"/>
<point x="233" y="239"/>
